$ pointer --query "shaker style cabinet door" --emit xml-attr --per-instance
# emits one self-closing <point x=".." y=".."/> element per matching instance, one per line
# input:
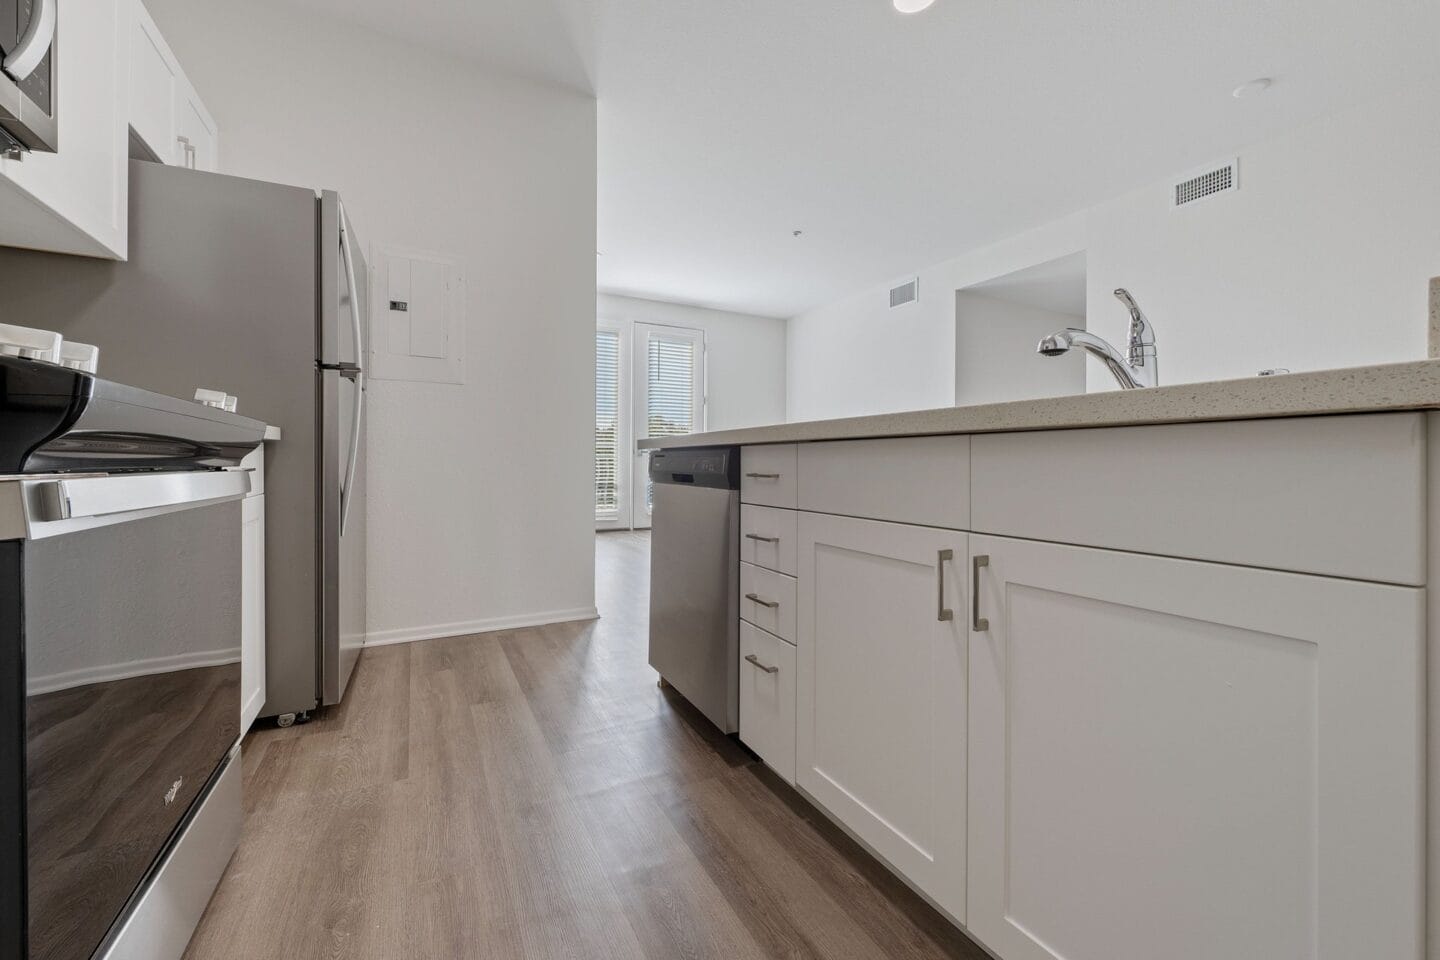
<point x="1188" y="760"/>
<point x="882" y="629"/>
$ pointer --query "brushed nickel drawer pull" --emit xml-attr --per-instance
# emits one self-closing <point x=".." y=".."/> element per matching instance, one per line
<point x="754" y="660"/>
<point x="772" y="604"/>
<point x="756" y="536"/>
<point x="942" y="612"/>
<point x="977" y="623"/>
<point x="763" y="476"/>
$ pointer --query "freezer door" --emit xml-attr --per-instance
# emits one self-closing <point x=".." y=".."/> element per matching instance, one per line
<point x="342" y="529"/>
<point x="344" y="283"/>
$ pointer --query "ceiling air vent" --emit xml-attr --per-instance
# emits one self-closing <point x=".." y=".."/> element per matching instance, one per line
<point x="907" y="292"/>
<point x="1208" y="183"/>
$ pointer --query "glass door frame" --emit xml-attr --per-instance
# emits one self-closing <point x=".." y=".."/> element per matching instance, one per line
<point x="640" y="389"/>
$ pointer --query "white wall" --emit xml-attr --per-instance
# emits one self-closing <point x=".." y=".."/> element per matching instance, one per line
<point x="744" y="357"/>
<point x="480" y="508"/>
<point x="987" y="330"/>
<point x="1320" y="260"/>
<point x="859" y="356"/>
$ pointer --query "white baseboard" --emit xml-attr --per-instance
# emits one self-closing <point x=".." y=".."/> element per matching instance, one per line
<point x="381" y="638"/>
<point x="130" y="669"/>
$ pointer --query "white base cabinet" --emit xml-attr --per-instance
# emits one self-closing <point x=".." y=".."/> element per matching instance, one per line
<point x="1192" y="761"/>
<point x="881" y="696"/>
<point x="252" y="592"/>
<point x="252" y="611"/>
<point x="1085" y="753"/>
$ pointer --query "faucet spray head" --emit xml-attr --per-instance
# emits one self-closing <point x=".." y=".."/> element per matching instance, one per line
<point x="1055" y="345"/>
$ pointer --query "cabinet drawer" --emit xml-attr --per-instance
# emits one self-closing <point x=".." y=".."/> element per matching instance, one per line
<point x="767" y="599"/>
<point x="1339" y="496"/>
<point x="768" y="475"/>
<point x="767" y="698"/>
<point x="920" y="480"/>
<point x="767" y="538"/>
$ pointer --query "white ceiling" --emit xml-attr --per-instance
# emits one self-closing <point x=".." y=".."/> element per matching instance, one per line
<point x="1057" y="286"/>
<point x="897" y="141"/>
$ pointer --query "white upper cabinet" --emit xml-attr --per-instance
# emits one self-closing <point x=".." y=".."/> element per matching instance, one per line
<point x="168" y="120"/>
<point x="880" y="701"/>
<point x="154" y="80"/>
<point x="75" y="200"/>
<point x="1187" y="760"/>
<point x="121" y="93"/>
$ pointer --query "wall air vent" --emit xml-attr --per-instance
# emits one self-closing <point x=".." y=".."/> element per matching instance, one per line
<point x="1208" y="183"/>
<point x="907" y="292"/>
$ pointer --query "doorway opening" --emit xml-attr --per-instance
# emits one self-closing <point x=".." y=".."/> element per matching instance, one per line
<point x="998" y="323"/>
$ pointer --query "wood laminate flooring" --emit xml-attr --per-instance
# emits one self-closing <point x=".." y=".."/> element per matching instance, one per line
<point x="532" y="794"/>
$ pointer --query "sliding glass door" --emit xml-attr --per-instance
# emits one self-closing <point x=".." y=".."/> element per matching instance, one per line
<point x="669" y="397"/>
<point x="649" y="382"/>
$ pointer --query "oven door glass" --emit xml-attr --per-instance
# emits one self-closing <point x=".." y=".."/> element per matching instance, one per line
<point x="132" y="668"/>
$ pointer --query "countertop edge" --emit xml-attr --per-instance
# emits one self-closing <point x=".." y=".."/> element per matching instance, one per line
<point x="1413" y="385"/>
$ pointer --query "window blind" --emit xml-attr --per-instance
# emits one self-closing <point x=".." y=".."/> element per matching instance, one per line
<point x="670" y="392"/>
<point x="607" y="424"/>
<point x="670" y="406"/>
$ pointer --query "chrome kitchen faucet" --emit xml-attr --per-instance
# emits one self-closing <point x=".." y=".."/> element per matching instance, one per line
<point x="1138" y="369"/>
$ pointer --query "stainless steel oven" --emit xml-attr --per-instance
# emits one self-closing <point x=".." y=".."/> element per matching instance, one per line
<point x="27" y="76"/>
<point x="120" y="612"/>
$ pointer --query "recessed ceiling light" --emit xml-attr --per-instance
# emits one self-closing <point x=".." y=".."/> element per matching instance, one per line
<point x="1252" y="89"/>
<point x="911" y="6"/>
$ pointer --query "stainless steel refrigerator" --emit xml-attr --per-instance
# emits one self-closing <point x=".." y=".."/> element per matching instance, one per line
<point x="259" y="290"/>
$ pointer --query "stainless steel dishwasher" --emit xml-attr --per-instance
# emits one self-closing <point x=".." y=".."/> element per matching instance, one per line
<point x="695" y="577"/>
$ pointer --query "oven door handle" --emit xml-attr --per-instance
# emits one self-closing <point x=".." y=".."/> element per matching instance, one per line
<point x="33" y="44"/>
<point x="93" y="497"/>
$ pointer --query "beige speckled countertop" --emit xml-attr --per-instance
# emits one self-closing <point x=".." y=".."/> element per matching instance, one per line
<point x="1394" y="386"/>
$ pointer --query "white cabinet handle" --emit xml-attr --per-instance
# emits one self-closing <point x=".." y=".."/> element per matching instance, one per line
<point x="942" y="612"/>
<point x="977" y="623"/>
<point x="755" y="661"/>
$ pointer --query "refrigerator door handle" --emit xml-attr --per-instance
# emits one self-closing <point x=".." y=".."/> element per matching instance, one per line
<point x="350" y="286"/>
<point x="358" y="378"/>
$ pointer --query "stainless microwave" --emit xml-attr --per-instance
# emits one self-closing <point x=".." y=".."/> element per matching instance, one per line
<point x="27" y="76"/>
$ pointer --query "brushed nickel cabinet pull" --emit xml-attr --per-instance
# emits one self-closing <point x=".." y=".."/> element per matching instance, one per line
<point x="942" y="612"/>
<point x="977" y="623"/>
<point x="764" y="603"/>
<point x="756" y="536"/>
<point x="763" y="476"/>
<point x="755" y="661"/>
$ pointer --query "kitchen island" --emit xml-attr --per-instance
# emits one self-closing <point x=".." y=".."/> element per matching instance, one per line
<point x="1122" y="675"/>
